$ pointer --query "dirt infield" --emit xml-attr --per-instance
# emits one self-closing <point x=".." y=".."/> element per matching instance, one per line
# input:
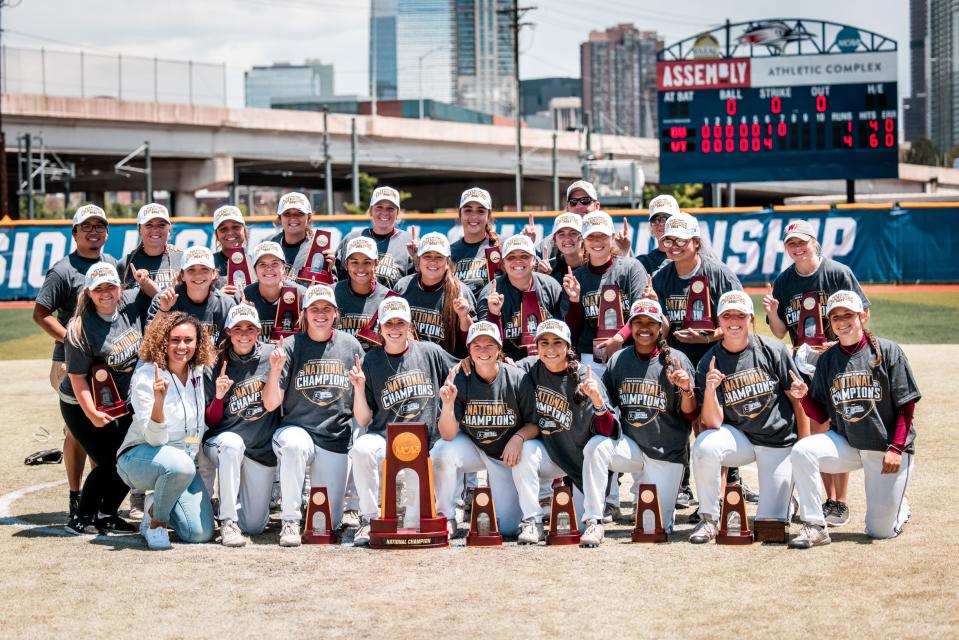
<point x="56" y="585"/>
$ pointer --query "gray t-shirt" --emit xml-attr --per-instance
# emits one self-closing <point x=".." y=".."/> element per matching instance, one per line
<point x="61" y="287"/>
<point x="394" y="259"/>
<point x="243" y="410"/>
<point x="489" y="413"/>
<point x="265" y="309"/>
<point x="356" y="311"/>
<point x="318" y="394"/>
<point x="861" y="399"/>
<point x="626" y="273"/>
<point x="426" y="309"/>
<point x="754" y="396"/>
<point x="650" y="407"/>
<point x="652" y="261"/>
<point x="469" y="260"/>
<point x="405" y="388"/>
<point x="553" y="303"/>
<point x="830" y="277"/>
<point x="163" y="271"/>
<point x="212" y="312"/>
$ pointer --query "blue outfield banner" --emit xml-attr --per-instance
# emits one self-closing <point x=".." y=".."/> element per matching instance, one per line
<point x="882" y="244"/>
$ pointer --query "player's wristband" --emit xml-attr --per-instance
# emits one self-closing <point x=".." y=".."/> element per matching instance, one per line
<point x="895" y="448"/>
<point x="688" y="394"/>
<point x="519" y="435"/>
<point x="600" y="411"/>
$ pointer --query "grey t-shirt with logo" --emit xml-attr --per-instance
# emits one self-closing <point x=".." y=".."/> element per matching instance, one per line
<point x="356" y="311"/>
<point x="625" y="273"/>
<point x="212" y="312"/>
<point x="469" y="262"/>
<point x="426" y="309"/>
<point x="394" y="259"/>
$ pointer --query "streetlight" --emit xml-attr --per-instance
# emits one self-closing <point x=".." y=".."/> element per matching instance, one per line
<point x="419" y="66"/>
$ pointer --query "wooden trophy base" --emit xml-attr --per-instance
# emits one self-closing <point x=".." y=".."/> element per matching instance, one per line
<point x="563" y="538"/>
<point x="117" y="410"/>
<point x="315" y="277"/>
<point x="639" y="536"/>
<point x="772" y="531"/>
<point x="476" y="540"/>
<point x="599" y="353"/>
<point x="743" y="537"/>
<point x="815" y="341"/>
<point x="384" y="534"/>
<point x="319" y="538"/>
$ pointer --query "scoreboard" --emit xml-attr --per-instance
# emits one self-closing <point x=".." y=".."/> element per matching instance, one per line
<point x="786" y="117"/>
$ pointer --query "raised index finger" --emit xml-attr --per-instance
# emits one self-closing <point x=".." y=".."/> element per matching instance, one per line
<point x="794" y="377"/>
<point x="223" y="369"/>
<point x="712" y="363"/>
<point x="356" y="360"/>
<point x="156" y="372"/>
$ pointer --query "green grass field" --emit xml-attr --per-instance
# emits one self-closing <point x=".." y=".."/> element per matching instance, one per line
<point x="907" y="317"/>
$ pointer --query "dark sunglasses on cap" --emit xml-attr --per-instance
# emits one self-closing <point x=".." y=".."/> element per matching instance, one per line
<point x="585" y="201"/>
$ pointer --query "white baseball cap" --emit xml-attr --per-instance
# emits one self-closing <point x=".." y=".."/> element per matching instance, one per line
<point x="88" y="211"/>
<point x="101" y="273"/>
<point x="682" y="225"/>
<point x="582" y="185"/>
<point x="477" y="195"/>
<point x="734" y="301"/>
<point x="434" y="241"/>
<point x="197" y="255"/>
<point x="799" y="229"/>
<point x="646" y="307"/>
<point x="556" y="327"/>
<point x="294" y="200"/>
<point x="152" y="211"/>
<point x="598" y="222"/>
<point x="394" y="307"/>
<point x="243" y="313"/>
<point x="568" y="221"/>
<point x="319" y="293"/>
<point x="663" y="203"/>
<point x="844" y="299"/>
<point x="484" y="328"/>
<point x="268" y="248"/>
<point x="385" y="193"/>
<point x="227" y="212"/>
<point x="518" y="242"/>
<point x="363" y="245"/>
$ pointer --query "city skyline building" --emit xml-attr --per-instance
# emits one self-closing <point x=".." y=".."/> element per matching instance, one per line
<point x="943" y="89"/>
<point x="915" y="114"/>
<point x="283" y="81"/>
<point x="484" y="56"/>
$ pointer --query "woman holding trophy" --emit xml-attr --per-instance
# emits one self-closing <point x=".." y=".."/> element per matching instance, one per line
<point x="469" y="253"/>
<point x="267" y="294"/>
<point x="230" y="233"/>
<point x="395" y="248"/>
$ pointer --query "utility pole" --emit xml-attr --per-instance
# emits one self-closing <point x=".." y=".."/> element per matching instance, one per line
<point x="355" y="169"/>
<point x="374" y="80"/>
<point x="148" y="172"/>
<point x="516" y="13"/>
<point x="4" y="201"/>
<point x="327" y="163"/>
<point x="555" y="177"/>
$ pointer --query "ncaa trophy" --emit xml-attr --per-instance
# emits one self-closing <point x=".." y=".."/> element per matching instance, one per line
<point x="319" y="521"/>
<point x="649" y="517"/>
<point x="484" y="531"/>
<point x="563" y="525"/>
<point x="609" y="321"/>
<point x="314" y="270"/>
<point x="810" y="330"/>
<point x="699" y="310"/>
<point x="733" y="525"/>
<point x="530" y="318"/>
<point x="237" y="268"/>
<point x="106" y="398"/>
<point x="494" y="262"/>
<point x="287" y="314"/>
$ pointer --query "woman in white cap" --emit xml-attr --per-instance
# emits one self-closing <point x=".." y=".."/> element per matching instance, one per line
<point x="194" y="292"/>
<point x="264" y="294"/>
<point x="398" y="382"/>
<point x="652" y="388"/>
<point x="239" y="436"/>
<point x="392" y="245"/>
<point x="581" y="199"/>
<point x="310" y="376"/>
<point x="230" y="232"/>
<point x="469" y="252"/>
<point x="154" y="264"/>
<point x="359" y="294"/>
<point x="864" y="390"/>
<point x="488" y="422"/>
<point x="105" y="330"/>
<point x="161" y="447"/>
<point x="442" y="307"/>
<point x="747" y="414"/>
<point x="295" y="214"/>
<point x="660" y="208"/>
<point x="811" y="273"/>
<point x="567" y="239"/>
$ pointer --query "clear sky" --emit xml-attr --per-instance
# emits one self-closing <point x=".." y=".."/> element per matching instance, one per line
<point x="243" y="33"/>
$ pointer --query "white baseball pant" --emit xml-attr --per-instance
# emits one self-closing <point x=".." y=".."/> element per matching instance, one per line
<point x="603" y="455"/>
<point x="295" y="450"/>
<point x="727" y="446"/>
<point x="244" y="485"/>
<point x="534" y="467"/>
<point x="887" y="509"/>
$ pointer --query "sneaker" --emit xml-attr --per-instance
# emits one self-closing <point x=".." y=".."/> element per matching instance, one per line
<point x="289" y="534"/>
<point x="137" y="500"/>
<point x="81" y="526"/>
<point x="593" y="536"/>
<point x="748" y="493"/>
<point x="114" y="524"/>
<point x="694" y="517"/>
<point x="158" y="539"/>
<point x="810" y="535"/>
<point x="705" y="531"/>
<point x="362" y="536"/>
<point x="74" y="503"/>
<point x="838" y="515"/>
<point x="826" y="508"/>
<point x="468" y="504"/>
<point x="684" y="499"/>
<point x="530" y="532"/>
<point x="610" y="513"/>
<point x="351" y="519"/>
<point x="453" y="530"/>
<point x="230" y="534"/>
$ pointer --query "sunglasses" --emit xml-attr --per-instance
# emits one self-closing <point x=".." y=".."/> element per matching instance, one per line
<point x="585" y="201"/>
<point x="87" y="227"/>
<point x="658" y="220"/>
<point x="679" y="242"/>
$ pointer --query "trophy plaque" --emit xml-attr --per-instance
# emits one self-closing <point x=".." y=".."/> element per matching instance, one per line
<point x="237" y="268"/>
<point x="483" y="529"/>
<point x="106" y="398"/>
<point x="494" y="262"/>
<point x="319" y="522"/>
<point x="649" y="517"/>
<point x="609" y="321"/>
<point x="368" y="332"/>
<point x="563" y="525"/>
<point x="810" y="330"/>
<point x="774" y="531"/>
<point x="287" y="314"/>
<point x="733" y="525"/>
<point x="699" y="310"/>
<point x="407" y="447"/>
<point x="529" y="320"/>
<point x="315" y="268"/>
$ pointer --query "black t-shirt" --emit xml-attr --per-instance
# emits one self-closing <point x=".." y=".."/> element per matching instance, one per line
<point x="394" y="259"/>
<point x="553" y="303"/>
<point x="356" y="311"/>
<point x="653" y="260"/>
<point x="625" y="273"/>
<point x="426" y="309"/>
<point x="469" y="260"/>
<point x="163" y="271"/>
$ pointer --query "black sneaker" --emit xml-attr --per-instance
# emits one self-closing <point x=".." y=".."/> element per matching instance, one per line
<point x="838" y="515"/>
<point x="748" y="493"/>
<point x="694" y="517"/>
<point x="81" y="526"/>
<point x="74" y="502"/>
<point x="114" y="524"/>
<point x="827" y="508"/>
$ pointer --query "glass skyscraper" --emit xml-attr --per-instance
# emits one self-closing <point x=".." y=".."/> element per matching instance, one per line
<point x="943" y="87"/>
<point x="484" y="56"/>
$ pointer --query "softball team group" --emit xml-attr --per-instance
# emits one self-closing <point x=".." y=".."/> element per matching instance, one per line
<point x="211" y="399"/>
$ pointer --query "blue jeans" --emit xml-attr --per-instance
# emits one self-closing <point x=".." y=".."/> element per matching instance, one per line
<point x="179" y="496"/>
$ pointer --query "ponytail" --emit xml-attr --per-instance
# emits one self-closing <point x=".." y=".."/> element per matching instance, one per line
<point x="572" y="369"/>
<point x="874" y="343"/>
<point x="75" y="326"/>
<point x="491" y="231"/>
<point x="451" y="291"/>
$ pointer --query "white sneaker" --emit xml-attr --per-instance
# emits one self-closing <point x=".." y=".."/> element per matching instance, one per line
<point x="290" y="534"/>
<point x="810" y="536"/>
<point x="362" y="536"/>
<point x="593" y="536"/>
<point x="230" y="534"/>
<point x="351" y="519"/>
<point x="530" y="532"/>
<point x="705" y="531"/>
<point x="158" y="539"/>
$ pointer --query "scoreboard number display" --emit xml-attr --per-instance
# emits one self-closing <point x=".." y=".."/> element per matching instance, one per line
<point x="796" y="100"/>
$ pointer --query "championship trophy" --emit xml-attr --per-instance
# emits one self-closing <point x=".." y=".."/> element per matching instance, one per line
<point x="106" y="398"/>
<point x="368" y="332"/>
<point x="494" y="262"/>
<point x="287" y="314"/>
<point x="483" y="529"/>
<point x="609" y="321"/>
<point x="529" y="320"/>
<point x="319" y="521"/>
<point x="649" y="517"/>
<point x="767" y="530"/>
<point x="699" y="310"/>
<point x="810" y="330"/>
<point x="237" y="268"/>
<point x="733" y="525"/>
<point x="407" y="447"/>
<point x="315" y="268"/>
<point x="563" y="525"/>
